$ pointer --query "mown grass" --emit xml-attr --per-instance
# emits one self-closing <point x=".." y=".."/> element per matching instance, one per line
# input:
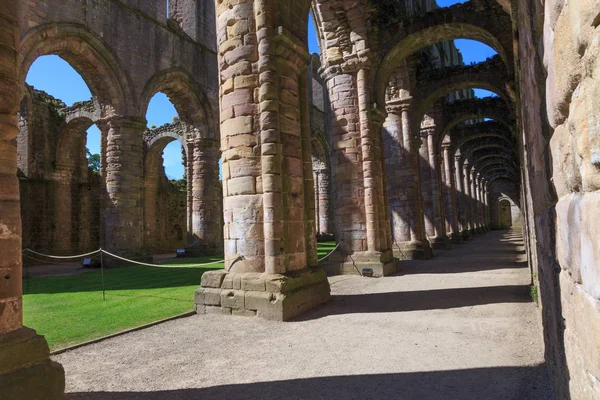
<point x="70" y="310"/>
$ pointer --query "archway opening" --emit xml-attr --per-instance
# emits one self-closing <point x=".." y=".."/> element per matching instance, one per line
<point x="166" y="177"/>
<point x="59" y="147"/>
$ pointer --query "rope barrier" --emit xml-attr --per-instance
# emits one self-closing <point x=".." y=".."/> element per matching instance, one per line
<point x="62" y="257"/>
<point x="167" y="266"/>
<point x="330" y="253"/>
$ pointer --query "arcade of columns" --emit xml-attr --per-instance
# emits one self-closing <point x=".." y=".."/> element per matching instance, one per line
<point x="411" y="170"/>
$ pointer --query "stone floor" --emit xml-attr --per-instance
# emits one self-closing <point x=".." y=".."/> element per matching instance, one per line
<point x="460" y="326"/>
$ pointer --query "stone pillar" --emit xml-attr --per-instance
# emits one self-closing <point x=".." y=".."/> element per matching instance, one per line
<point x="26" y="371"/>
<point x="362" y="223"/>
<point x="468" y="199"/>
<point x="461" y="207"/>
<point x="323" y="202"/>
<point x="473" y="200"/>
<point x="189" y="174"/>
<point x="63" y="210"/>
<point x="206" y="227"/>
<point x="403" y="181"/>
<point x="265" y="141"/>
<point x="124" y="204"/>
<point x="151" y="230"/>
<point x="450" y="199"/>
<point x="440" y="240"/>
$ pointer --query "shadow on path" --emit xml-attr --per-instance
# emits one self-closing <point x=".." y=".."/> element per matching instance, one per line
<point x="498" y="383"/>
<point x="441" y="299"/>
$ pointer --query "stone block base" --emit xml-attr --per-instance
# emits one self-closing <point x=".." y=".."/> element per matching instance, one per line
<point x="456" y="238"/>
<point x="441" y="243"/>
<point x="382" y="264"/>
<point x="413" y="251"/>
<point x="466" y="235"/>
<point x="26" y="371"/>
<point x="269" y="296"/>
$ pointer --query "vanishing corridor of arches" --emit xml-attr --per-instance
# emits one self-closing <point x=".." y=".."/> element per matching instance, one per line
<point x="397" y="131"/>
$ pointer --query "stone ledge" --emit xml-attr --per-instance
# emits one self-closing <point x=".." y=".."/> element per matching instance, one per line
<point x="269" y="296"/>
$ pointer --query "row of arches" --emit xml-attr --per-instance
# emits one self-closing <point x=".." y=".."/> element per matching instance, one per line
<point x="76" y="206"/>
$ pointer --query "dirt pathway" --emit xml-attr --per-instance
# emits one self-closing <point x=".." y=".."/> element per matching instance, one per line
<point x="460" y="326"/>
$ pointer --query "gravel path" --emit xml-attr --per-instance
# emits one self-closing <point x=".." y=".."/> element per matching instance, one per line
<point x="460" y="326"/>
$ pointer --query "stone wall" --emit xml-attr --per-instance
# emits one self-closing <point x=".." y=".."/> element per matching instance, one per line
<point x="571" y="50"/>
<point x="60" y="205"/>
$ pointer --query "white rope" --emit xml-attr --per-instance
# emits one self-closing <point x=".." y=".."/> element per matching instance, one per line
<point x="62" y="257"/>
<point x="330" y="253"/>
<point x="167" y="266"/>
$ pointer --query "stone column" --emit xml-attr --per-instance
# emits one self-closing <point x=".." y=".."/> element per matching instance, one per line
<point x="473" y="200"/>
<point x="206" y="227"/>
<point x="63" y="210"/>
<point x="450" y="200"/>
<point x="189" y="174"/>
<point x="402" y="169"/>
<point x="440" y="240"/>
<point x="124" y="204"/>
<point x="26" y="371"/>
<point x="151" y="228"/>
<point x="362" y="223"/>
<point x="322" y="179"/>
<point x="468" y="199"/>
<point x="461" y="208"/>
<point x="266" y="164"/>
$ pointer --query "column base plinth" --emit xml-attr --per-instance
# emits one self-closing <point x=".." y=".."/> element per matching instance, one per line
<point x="382" y="264"/>
<point x="466" y="235"/>
<point x="441" y="243"/>
<point x="413" y="251"/>
<point x="26" y="371"/>
<point x="456" y="238"/>
<point x="269" y="296"/>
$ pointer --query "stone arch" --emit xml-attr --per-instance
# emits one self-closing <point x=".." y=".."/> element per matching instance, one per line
<point x="189" y="100"/>
<point x="461" y="21"/>
<point x="89" y="56"/>
<point x="155" y="147"/>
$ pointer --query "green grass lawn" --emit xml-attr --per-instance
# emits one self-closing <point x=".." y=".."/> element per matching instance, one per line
<point x="70" y="310"/>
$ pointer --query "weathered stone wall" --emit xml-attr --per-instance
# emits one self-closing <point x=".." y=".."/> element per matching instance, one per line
<point x="60" y="204"/>
<point x="571" y="44"/>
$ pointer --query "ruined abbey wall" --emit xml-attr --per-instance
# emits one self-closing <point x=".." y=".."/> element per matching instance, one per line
<point x="559" y="50"/>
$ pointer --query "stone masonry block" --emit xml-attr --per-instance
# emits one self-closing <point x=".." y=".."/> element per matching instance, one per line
<point x="232" y="299"/>
<point x="254" y="282"/>
<point x="208" y="296"/>
<point x="213" y="279"/>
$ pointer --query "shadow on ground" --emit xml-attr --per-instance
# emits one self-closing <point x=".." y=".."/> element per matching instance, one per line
<point x="441" y="299"/>
<point x="499" y="383"/>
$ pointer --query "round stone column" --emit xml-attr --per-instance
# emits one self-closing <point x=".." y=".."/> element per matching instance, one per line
<point x="440" y="240"/>
<point x="63" y="210"/>
<point x="468" y="198"/>
<point x="473" y="200"/>
<point x="403" y="182"/>
<point x="124" y="203"/>
<point x="206" y="208"/>
<point x="26" y="371"/>
<point x="461" y="207"/>
<point x="265" y="142"/>
<point x="323" y="202"/>
<point x="450" y="200"/>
